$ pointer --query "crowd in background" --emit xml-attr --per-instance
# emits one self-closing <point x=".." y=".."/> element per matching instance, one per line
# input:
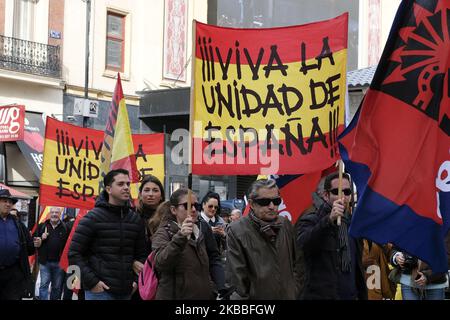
<point x="202" y="253"/>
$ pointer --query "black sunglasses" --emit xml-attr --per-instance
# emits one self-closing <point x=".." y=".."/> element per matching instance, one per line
<point x="335" y="191"/>
<point x="213" y="206"/>
<point x="195" y="205"/>
<point x="266" y="201"/>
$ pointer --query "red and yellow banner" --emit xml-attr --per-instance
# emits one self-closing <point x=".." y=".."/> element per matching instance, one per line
<point x="268" y="101"/>
<point x="71" y="168"/>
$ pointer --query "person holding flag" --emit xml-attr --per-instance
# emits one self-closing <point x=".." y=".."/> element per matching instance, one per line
<point x="187" y="259"/>
<point x="50" y="239"/>
<point x="333" y="259"/>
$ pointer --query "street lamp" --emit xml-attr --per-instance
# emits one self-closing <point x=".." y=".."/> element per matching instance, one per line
<point x="86" y="65"/>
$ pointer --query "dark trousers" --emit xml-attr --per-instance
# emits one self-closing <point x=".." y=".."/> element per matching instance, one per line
<point x="11" y="283"/>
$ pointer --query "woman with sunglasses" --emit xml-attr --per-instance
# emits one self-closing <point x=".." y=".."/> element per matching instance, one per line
<point x="211" y="215"/>
<point x="186" y="254"/>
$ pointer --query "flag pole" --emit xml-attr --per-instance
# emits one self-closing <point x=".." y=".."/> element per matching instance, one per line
<point x="341" y="169"/>
<point x="191" y="113"/>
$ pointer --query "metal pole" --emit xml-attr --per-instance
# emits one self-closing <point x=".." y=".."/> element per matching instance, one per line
<point x="86" y="65"/>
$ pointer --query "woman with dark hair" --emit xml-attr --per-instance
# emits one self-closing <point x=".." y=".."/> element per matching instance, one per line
<point x="186" y="254"/>
<point x="151" y="194"/>
<point x="211" y="215"/>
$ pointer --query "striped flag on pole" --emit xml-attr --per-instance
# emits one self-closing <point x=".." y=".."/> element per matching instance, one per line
<point x="118" y="151"/>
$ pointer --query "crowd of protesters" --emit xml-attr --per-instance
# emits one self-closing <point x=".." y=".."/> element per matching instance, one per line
<point x="200" y="254"/>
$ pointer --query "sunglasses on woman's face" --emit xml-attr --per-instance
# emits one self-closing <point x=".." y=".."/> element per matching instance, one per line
<point x="335" y="191"/>
<point x="195" y="205"/>
<point x="264" y="202"/>
<point x="210" y="206"/>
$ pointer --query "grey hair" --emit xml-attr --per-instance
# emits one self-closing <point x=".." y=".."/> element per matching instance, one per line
<point x="238" y="211"/>
<point x="258" y="184"/>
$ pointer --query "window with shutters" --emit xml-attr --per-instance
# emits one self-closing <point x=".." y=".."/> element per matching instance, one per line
<point x="115" y="42"/>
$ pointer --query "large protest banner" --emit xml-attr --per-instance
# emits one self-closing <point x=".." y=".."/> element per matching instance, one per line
<point x="397" y="146"/>
<point x="268" y="98"/>
<point x="71" y="169"/>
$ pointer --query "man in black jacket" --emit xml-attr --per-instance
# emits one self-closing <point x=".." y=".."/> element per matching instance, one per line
<point x="107" y="241"/>
<point x="333" y="259"/>
<point x="15" y="247"/>
<point x="50" y="238"/>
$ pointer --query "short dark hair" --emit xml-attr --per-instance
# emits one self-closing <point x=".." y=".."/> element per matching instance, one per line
<point x="151" y="178"/>
<point x="109" y="178"/>
<point x="331" y="177"/>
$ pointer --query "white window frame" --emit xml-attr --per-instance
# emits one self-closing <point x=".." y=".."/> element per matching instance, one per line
<point x="125" y="72"/>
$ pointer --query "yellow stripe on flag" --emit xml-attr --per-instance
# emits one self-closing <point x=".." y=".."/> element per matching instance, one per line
<point x="316" y="87"/>
<point x="122" y="144"/>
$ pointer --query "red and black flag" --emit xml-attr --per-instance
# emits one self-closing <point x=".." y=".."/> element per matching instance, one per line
<point x="397" y="147"/>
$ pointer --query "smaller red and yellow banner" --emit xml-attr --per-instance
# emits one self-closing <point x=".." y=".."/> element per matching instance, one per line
<point x="71" y="167"/>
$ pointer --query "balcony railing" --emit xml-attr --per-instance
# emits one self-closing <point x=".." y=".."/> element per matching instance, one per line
<point x="29" y="57"/>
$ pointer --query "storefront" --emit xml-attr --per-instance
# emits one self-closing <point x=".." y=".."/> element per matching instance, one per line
<point x="21" y="163"/>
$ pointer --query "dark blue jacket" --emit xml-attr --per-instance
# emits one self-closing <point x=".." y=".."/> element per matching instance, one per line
<point x="26" y="249"/>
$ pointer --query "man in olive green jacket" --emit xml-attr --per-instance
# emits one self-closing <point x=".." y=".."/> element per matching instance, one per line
<point x="261" y="256"/>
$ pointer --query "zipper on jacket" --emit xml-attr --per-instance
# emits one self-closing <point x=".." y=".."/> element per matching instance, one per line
<point x="121" y="248"/>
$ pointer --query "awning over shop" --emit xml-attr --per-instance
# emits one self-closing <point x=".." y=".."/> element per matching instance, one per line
<point x="15" y="193"/>
<point x="32" y="147"/>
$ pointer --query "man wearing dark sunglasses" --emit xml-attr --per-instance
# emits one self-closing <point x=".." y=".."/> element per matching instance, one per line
<point x="261" y="252"/>
<point x="333" y="259"/>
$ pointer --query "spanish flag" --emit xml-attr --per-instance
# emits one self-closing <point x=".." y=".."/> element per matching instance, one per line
<point x="268" y="101"/>
<point x="118" y="150"/>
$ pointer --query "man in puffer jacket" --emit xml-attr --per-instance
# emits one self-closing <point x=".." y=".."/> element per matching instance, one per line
<point x="107" y="241"/>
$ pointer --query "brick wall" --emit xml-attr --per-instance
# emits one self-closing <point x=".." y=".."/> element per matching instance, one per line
<point x="2" y="17"/>
<point x="55" y="20"/>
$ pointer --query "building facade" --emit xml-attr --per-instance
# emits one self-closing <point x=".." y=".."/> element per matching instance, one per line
<point x="43" y="64"/>
<point x="369" y="25"/>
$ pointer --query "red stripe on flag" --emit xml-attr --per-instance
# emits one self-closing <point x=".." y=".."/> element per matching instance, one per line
<point x="64" y="132"/>
<point x="403" y="158"/>
<point x="296" y="162"/>
<point x="128" y="163"/>
<point x="154" y="148"/>
<point x="287" y="39"/>
<point x="297" y="194"/>
<point x="51" y="195"/>
<point x="64" y="260"/>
